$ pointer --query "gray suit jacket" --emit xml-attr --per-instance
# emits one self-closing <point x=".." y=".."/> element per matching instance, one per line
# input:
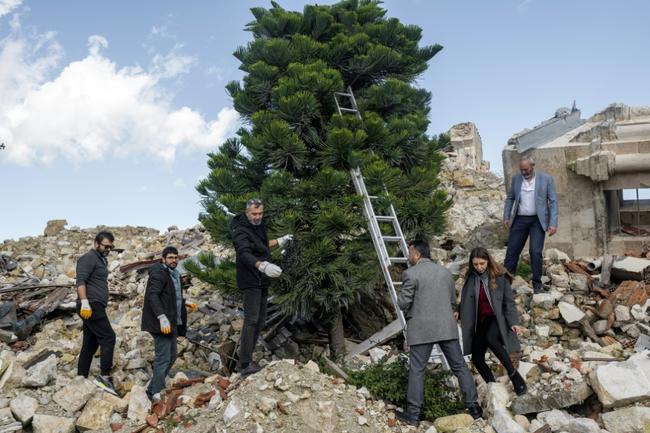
<point x="505" y="311"/>
<point x="428" y="299"/>
<point x="545" y="199"/>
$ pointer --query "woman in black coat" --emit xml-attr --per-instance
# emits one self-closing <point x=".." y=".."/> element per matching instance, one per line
<point x="489" y="317"/>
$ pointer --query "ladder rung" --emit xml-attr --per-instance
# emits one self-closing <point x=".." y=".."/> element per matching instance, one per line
<point x="373" y="197"/>
<point x="352" y="110"/>
<point x="385" y="218"/>
<point x="392" y="238"/>
<point x="349" y="95"/>
<point x="396" y="283"/>
<point x="398" y="259"/>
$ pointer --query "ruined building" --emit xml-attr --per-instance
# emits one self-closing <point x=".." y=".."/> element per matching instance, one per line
<point x="601" y="167"/>
<point x="466" y="147"/>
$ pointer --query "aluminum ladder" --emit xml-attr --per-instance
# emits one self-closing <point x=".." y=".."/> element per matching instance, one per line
<point x="379" y="241"/>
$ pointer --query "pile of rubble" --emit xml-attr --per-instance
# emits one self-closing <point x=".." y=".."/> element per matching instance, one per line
<point x="584" y="355"/>
<point x="476" y="215"/>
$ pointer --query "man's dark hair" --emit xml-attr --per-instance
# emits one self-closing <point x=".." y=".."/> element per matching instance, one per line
<point x="169" y="250"/>
<point x="421" y="247"/>
<point x="104" y="235"/>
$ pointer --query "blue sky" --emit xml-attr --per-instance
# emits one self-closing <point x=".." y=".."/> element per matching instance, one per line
<point x="108" y="109"/>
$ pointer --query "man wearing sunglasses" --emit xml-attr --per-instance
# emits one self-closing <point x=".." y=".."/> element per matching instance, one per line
<point x="92" y="292"/>
<point x="254" y="273"/>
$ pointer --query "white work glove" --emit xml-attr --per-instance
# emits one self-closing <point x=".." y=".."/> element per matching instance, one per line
<point x="270" y="269"/>
<point x="85" y="312"/>
<point x="165" y="326"/>
<point x="284" y="239"/>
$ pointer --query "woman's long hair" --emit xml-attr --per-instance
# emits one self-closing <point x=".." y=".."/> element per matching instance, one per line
<point x="493" y="268"/>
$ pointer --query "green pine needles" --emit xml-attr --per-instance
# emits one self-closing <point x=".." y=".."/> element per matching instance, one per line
<point x="295" y="151"/>
<point x="390" y="381"/>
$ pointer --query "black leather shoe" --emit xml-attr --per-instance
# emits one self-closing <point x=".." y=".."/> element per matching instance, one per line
<point x="518" y="383"/>
<point x="251" y="368"/>
<point x="406" y="419"/>
<point x="475" y="410"/>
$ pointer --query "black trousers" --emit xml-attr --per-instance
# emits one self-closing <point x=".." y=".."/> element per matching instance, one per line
<point x="255" y="300"/>
<point x="97" y="332"/>
<point x="487" y="336"/>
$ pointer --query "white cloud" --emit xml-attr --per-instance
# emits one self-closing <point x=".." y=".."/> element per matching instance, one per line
<point x="215" y="71"/>
<point x="524" y="5"/>
<point x="171" y="64"/>
<point x="7" y="6"/>
<point x="91" y="108"/>
<point x="179" y="183"/>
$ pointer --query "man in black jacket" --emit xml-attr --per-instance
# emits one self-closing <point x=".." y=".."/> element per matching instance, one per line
<point x="254" y="273"/>
<point x="164" y="316"/>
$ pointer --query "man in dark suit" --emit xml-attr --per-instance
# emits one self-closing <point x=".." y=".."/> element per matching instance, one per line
<point x="254" y="273"/>
<point x="530" y="211"/>
<point x="164" y="316"/>
<point x="428" y="299"/>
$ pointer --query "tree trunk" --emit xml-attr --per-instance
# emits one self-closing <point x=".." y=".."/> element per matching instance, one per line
<point x="336" y="337"/>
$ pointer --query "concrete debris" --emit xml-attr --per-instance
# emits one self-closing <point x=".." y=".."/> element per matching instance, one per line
<point x="41" y="374"/>
<point x="633" y="419"/>
<point x="578" y="356"/>
<point x="452" y="423"/>
<point x="95" y="415"/>
<point x="502" y="421"/>
<point x="631" y="268"/>
<point x="52" y="424"/>
<point x="23" y="408"/>
<point x="621" y="383"/>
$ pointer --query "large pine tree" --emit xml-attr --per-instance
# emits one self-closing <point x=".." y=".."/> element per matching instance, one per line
<point x="295" y="151"/>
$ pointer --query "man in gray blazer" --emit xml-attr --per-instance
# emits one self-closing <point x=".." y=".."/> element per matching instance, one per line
<point x="428" y="299"/>
<point x="530" y="211"/>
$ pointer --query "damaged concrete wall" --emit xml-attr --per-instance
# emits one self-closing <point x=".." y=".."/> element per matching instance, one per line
<point x="468" y="147"/>
<point x="605" y="153"/>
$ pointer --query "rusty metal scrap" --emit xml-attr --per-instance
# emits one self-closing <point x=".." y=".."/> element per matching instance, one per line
<point x="634" y="231"/>
<point x="577" y="268"/>
<point x="22" y="287"/>
<point x="144" y="264"/>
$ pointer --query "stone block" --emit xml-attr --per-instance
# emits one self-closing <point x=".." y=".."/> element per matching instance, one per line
<point x="139" y="404"/>
<point x="95" y="415"/>
<point x="41" y="373"/>
<point x="119" y="405"/>
<point x="497" y="397"/>
<point x="633" y="419"/>
<point x="622" y="313"/>
<point x="52" y="424"/>
<point x="543" y="300"/>
<point x="23" y="407"/>
<point x="621" y="383"/>
<point x="452" y="423"/>
<point x="75" y="394"/>
<point x="530" y="403"/>
<point x="502" y="421"/>
<point x="582" y="425"/>
<point x="570" y="313"/>
<point x="54" y="227"/>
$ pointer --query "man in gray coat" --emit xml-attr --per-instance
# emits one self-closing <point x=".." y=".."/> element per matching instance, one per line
<point x="530" y="211"/>
<point x="428" y="299"/>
